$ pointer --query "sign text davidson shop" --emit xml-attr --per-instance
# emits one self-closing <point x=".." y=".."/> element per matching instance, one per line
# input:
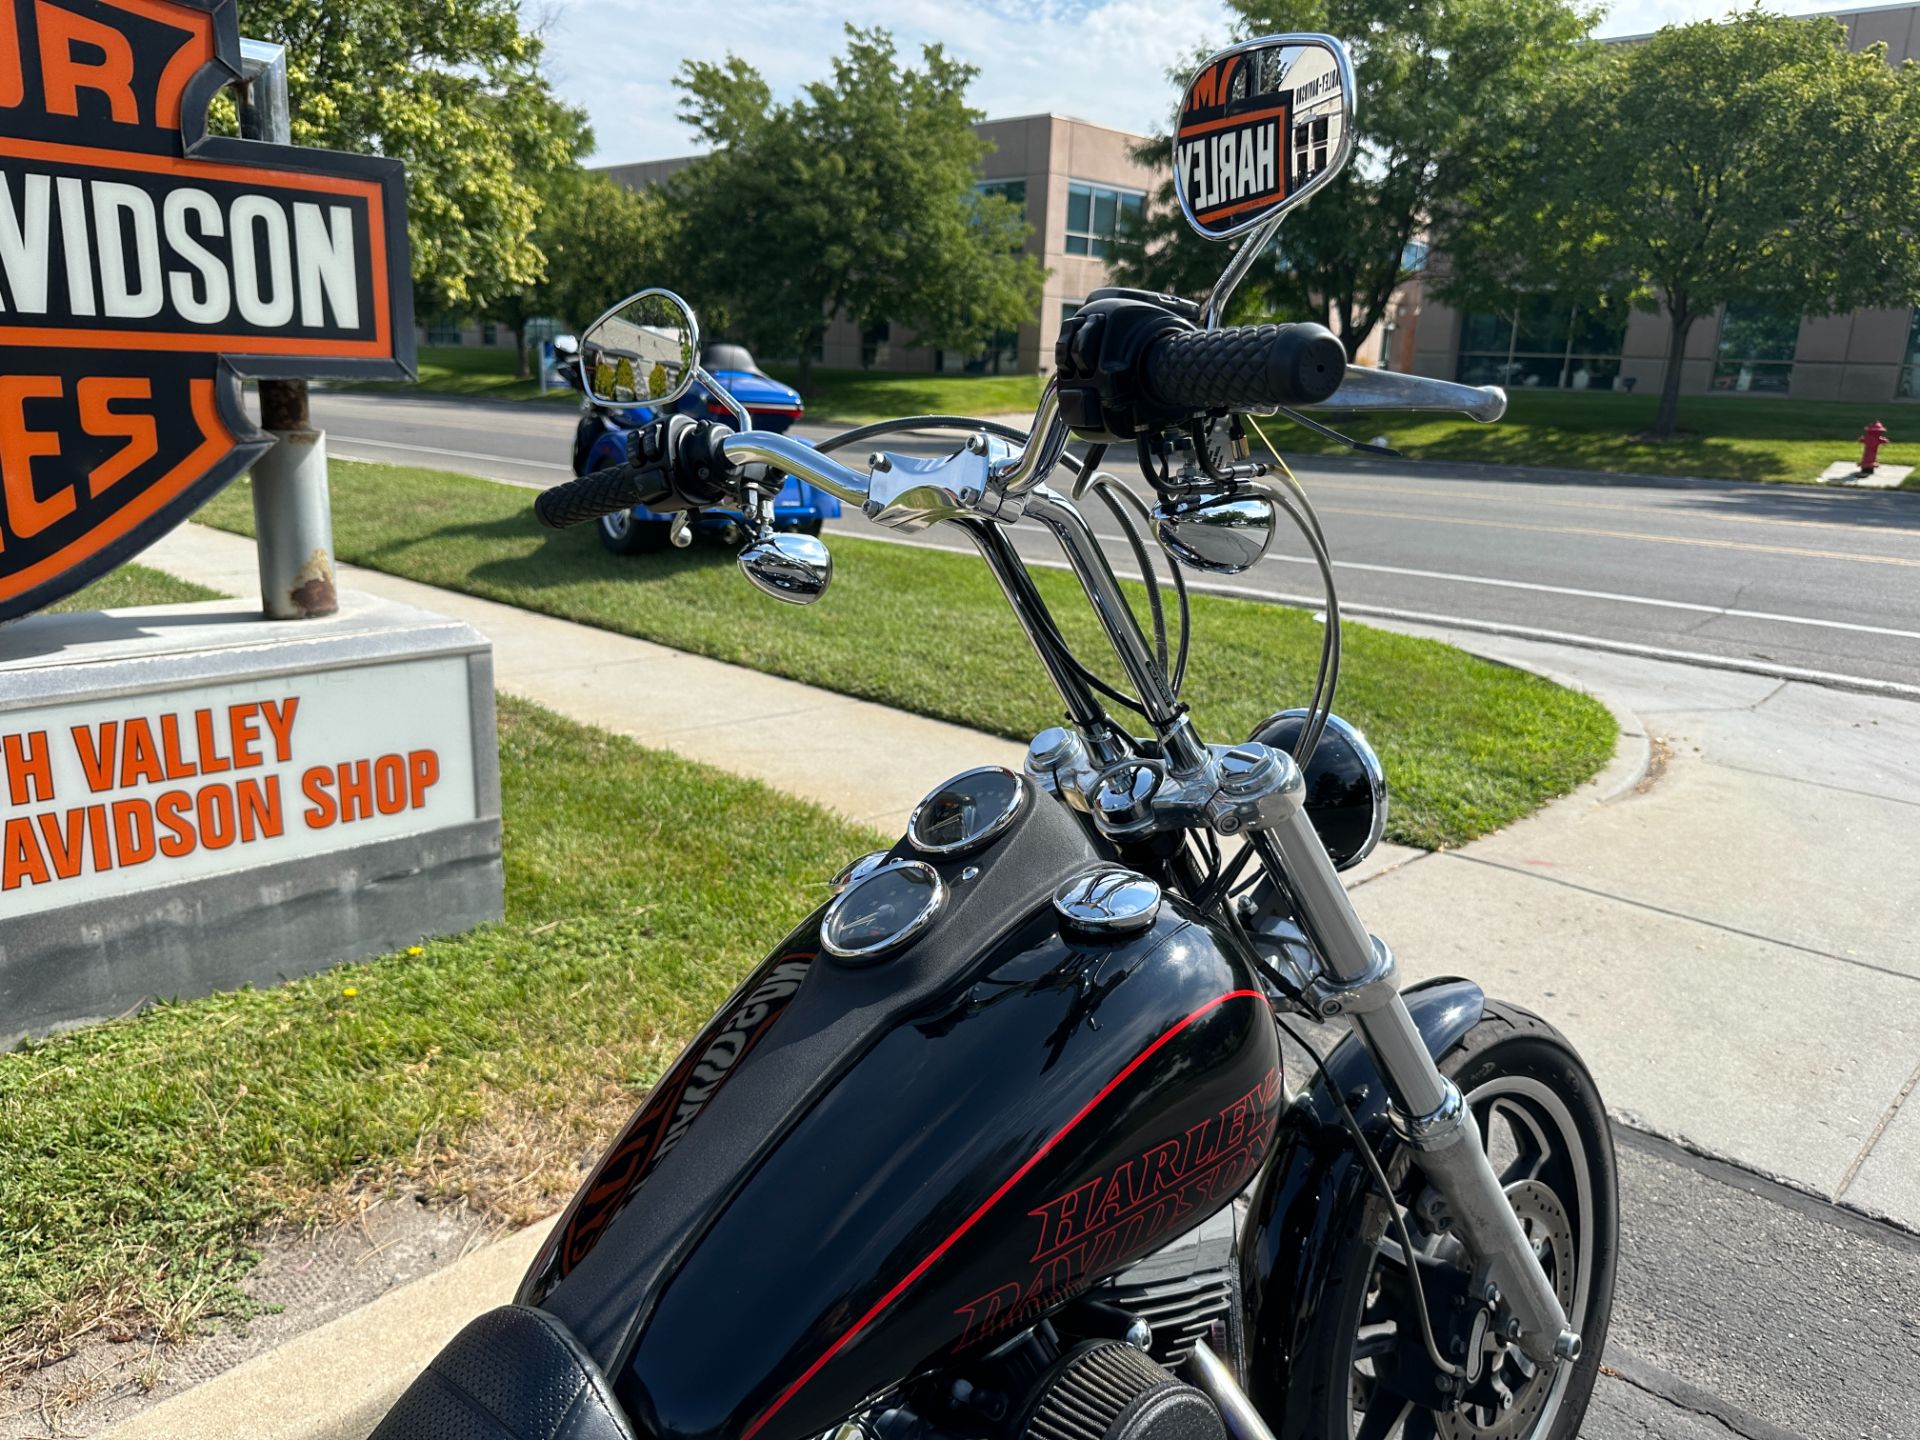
<point x="146" y="266"/>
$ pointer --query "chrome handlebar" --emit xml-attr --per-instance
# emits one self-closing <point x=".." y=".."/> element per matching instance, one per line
<point x="1363" y="389"/>
<point x="910" y="492"/>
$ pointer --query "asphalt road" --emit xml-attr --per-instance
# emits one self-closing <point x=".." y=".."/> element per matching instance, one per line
<point x="1743" y="1309"/>
<point x="1784" y="579"/>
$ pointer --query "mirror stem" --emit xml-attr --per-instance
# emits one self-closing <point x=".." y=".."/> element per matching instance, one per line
<point x="1236" y="270"/>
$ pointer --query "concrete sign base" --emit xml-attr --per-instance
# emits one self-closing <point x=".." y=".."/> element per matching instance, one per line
<point x="193" y="798"/>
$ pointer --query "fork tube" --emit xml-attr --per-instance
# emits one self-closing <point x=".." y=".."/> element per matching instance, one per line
<point x="1427" y="1108"/>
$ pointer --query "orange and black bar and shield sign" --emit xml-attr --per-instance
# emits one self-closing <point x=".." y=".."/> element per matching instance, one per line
<point x="1231" y="145"/>
<point x="146" y="267"/>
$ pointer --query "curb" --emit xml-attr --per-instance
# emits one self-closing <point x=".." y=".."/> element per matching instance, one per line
<point x="336" y="1381"/>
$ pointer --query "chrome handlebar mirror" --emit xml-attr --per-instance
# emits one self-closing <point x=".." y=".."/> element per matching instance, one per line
<point x="1263" y="125"/>
<point x="790" y="567"/>
<point x="1220" y="534"/>
<point x="644" y="351"/>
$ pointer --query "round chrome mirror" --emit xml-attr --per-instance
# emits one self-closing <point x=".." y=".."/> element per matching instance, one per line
<point x="790" y="567"/>
<point x="1220" y="534"/>
<point x="641" y="352"/>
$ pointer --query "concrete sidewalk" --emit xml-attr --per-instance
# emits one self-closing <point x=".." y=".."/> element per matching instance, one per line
<point x="1734" y="943"/>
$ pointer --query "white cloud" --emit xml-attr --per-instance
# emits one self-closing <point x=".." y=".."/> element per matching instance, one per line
<point x="1100" y="60"/>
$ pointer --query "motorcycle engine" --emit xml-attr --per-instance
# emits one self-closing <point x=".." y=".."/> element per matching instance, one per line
<point x="1074" y="1377"/>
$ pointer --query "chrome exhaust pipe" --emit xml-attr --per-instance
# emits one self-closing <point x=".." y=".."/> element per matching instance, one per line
<point x="1211" y="1374"/>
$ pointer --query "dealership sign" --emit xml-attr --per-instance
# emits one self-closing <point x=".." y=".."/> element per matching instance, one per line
<point x="146" y="267"/>
<point x="108" y="797"/>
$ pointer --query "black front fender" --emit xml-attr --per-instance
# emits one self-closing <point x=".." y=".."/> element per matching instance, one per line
<point x="1306" y="1204"/>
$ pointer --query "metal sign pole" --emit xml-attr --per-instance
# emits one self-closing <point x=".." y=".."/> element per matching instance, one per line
<point x="292" y="512"/>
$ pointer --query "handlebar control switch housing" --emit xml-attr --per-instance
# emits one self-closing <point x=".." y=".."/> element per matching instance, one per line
<point x="1097" y="368"/>
<point x="1125" y="366"/>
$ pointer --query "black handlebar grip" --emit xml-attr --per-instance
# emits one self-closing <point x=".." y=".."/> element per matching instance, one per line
<point x="618" y="487"/>
<point x="1250" y="367"/>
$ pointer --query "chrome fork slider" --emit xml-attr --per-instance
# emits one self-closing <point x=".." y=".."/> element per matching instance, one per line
<point x="1358" y="982"/>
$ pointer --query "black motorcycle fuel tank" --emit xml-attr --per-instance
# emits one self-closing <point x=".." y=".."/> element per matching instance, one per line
<point x="856" y="1171"/>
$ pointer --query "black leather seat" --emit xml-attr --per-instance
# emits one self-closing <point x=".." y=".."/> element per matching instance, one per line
<point x="513" y="1374"/>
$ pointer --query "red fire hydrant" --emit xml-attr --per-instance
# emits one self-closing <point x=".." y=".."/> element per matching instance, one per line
<point x="1871" y="439"/>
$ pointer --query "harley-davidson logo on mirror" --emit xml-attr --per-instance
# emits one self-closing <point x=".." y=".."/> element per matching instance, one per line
<point x="145" y="267"/>
<point x="1260" y="126"/>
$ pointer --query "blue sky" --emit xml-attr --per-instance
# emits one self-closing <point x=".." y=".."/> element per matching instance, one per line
<point x="1100" y="60"/>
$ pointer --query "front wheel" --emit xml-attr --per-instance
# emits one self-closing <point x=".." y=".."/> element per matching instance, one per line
<point x="621" y="533"/>
<point x="1540" y="1116"/>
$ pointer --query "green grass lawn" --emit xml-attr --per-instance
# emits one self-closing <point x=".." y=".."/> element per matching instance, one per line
<point x="141" y="1159"/>
<point x="1468" y="745"/>
<point x="856" y="396"/>
<point x="1732" y="437"/>
<point x="134" y="585"/>
<point x="838" y="395"/>
<point x="482" y="372"/>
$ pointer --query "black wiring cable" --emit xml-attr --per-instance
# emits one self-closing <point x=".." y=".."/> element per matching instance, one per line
<point x="1438" y="1361"/>
<point x="1089" y="463"/>
<point x="1177" y="676"/>
<point x="1327" y="682"/>
<point x="1051" y="635"/>
<point x="927" y="422"/>
<point x="1138" y="544"/>
<point x="1306" y="422"/>
<point x="1049" y="631"/>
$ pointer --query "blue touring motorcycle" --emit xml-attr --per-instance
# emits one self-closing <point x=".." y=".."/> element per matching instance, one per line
<point x="731" y="379"/>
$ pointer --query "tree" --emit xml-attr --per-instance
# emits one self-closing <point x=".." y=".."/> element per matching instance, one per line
<point x="599" y="241"/>
<point x="454" y="89"/>
<point x="1755" y="160"/>
<point x="855" y="200"/>
<point x="1437" y="82"/>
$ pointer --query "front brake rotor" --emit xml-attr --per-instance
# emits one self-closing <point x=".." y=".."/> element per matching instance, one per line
<point x="1506" y="1402"/>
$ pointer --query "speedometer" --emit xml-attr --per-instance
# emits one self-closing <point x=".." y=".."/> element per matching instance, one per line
<point x="967" y="811"/>
<point x="882" y="911"/>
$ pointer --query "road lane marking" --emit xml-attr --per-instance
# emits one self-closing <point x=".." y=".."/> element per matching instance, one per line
<point x="1745" y="666"/>
<point x="1699" y="542"/>
<point x="452" y="454"/>
<point x="1694" y="606"/>
<point x="1437" y="490"/>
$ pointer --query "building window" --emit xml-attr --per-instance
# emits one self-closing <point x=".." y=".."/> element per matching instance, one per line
<point x="1069" y="309"/>
<point x="1542" y="344"/>
<point x="1910" y="372"/>
<point x="489" y="334"/>
<point x="1310" y="139"/>
<point x="443" y="332"/>
<point x="873" y="345"/>
<point x="1093" y="216"/>
<point x="1014" y="192"/>
<point x="1756" y="350"/>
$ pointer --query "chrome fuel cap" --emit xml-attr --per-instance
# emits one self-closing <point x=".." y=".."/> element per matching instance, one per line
<point x="1107" y="900"/>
